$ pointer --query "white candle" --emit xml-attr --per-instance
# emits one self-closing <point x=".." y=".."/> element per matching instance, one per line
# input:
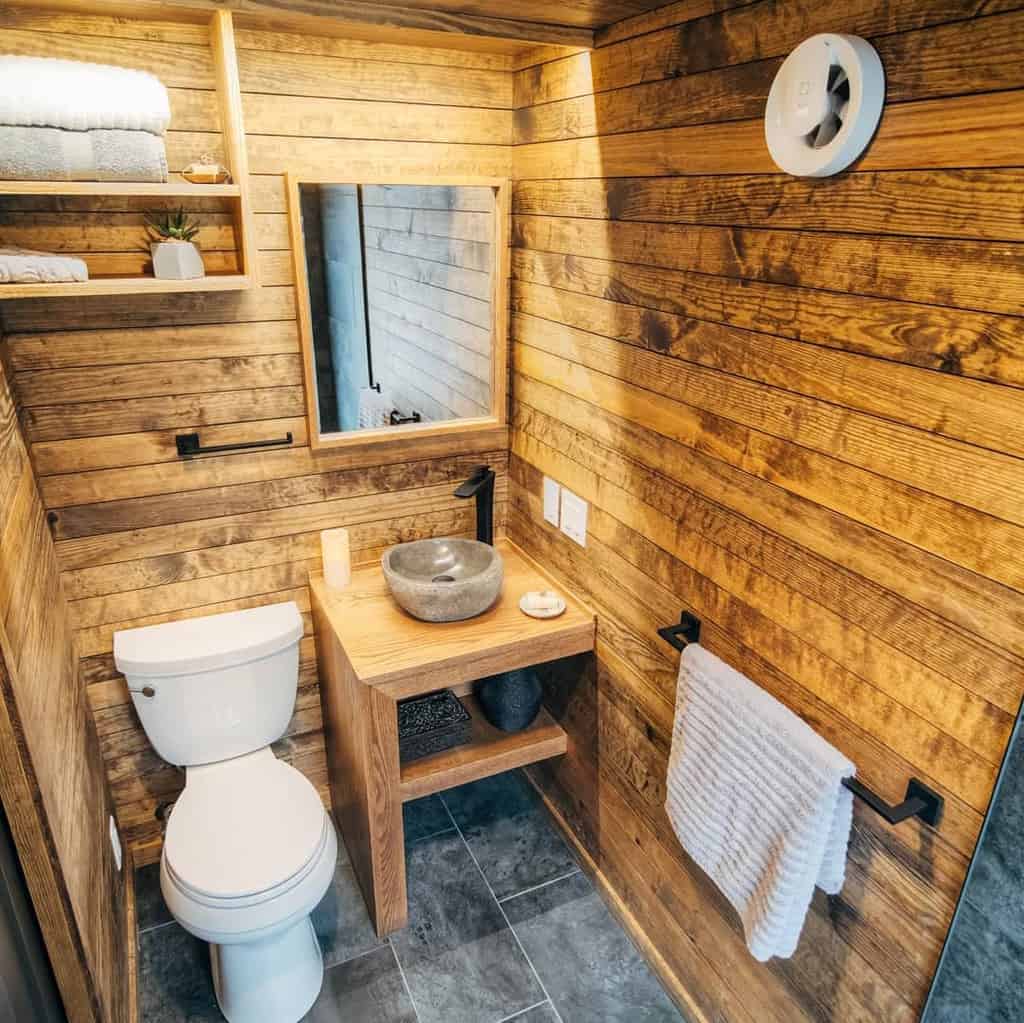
<point x="337" y="563"/>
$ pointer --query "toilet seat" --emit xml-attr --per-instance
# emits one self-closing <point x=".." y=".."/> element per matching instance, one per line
<point x="244" y="831"/>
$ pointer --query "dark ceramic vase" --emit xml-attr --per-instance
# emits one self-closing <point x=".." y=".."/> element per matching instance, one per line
<point x="511" y="700"/>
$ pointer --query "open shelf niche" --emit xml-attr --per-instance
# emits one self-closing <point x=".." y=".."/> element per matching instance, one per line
<point x="230" y="263"/>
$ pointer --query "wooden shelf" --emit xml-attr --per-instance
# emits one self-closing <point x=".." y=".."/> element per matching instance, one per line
<point x="490" y="751"/>
<point x="229" y="99"/>
<point x="372" y="654"/>
<point x="125" y="286"/>
<point x="125" y="189"/>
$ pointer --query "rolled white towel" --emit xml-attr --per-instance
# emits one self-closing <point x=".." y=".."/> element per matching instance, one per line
<point x="26" y="266"/>
<point x="51" y="93"/>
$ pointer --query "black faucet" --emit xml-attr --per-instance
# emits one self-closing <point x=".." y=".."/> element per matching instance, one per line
<point x="481" y="486"/>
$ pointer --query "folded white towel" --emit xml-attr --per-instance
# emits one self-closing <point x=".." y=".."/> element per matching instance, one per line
<point x="755" y="797"/>
<point x="51" y="93"/>
<point x="26" y="266"/>
<point x="100" y="154"/>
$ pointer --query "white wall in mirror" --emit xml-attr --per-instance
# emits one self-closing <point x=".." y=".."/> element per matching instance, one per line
<point x="402" y="294"/>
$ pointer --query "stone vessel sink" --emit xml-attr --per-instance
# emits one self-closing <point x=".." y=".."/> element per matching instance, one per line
<point x="444" y="580"/>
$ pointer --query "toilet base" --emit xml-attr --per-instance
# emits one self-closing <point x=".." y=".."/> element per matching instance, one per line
<point x="278" y="978"/>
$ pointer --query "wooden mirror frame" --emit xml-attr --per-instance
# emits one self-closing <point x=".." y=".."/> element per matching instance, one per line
<point x="412" y="433"/>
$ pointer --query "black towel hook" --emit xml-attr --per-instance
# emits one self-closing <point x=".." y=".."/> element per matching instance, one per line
<point x="920" y="800"/>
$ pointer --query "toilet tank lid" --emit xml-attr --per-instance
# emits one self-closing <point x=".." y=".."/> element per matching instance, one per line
<point x="208" y="643"/>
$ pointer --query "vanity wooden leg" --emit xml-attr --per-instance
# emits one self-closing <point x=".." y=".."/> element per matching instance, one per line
<point x="361" y="731"/>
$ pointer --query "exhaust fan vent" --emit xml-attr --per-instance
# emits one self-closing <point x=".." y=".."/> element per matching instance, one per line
<point x="824" y="105"/>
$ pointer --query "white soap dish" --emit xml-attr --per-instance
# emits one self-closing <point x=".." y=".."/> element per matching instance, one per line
<point x="557" y="604"/>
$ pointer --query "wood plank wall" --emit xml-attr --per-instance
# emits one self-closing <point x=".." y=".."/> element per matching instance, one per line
<point x="795" y="408"/>
<point x="106" y="384"/>
<point x="428" y="272"/>
<point x="52" y="776"/>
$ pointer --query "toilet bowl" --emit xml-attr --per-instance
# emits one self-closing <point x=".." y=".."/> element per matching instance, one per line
<point x="249" y="849"/>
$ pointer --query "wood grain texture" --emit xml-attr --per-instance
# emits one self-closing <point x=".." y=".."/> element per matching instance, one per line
<point x="490" y="751"/>
<point x="373" y="654"/>
<point x="52" y="777"/>
<point x="470" y="24"/>
<point x="675" y="302"/>
<point x="106" y="384"/>
<point x="406" y="657"/>
<point x="361" y="730"/>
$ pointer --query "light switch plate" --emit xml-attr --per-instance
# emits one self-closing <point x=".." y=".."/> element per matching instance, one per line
<point x="552" y="493"/>
<point x="574" y="517"/>
<point x="115" y="842"/>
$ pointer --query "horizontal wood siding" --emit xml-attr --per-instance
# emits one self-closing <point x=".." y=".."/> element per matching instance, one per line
<point x="52" y="777"/>
<point x="106" y="385"/>
<point x="429" y="305"/>
<point x="794" y="408"/>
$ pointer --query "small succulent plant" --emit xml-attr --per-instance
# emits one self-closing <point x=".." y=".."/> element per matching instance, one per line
<point x="178" y="227"/>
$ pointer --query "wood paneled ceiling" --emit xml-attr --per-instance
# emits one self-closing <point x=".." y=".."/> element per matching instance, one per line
<point x="495" y="24"/>
<point x="590" y="14"/>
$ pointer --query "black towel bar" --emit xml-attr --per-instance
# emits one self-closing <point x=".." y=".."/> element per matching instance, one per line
<point x="188" y="445"/>
<point x="920" y="800"/>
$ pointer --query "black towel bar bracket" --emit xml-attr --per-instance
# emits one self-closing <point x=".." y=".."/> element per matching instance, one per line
<point x="188" y="445"/>
<point x="687" y="631"/>
<point x="920" y="801"/>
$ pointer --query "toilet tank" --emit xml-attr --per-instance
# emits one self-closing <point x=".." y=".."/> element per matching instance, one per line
<point x="208" y="689"/>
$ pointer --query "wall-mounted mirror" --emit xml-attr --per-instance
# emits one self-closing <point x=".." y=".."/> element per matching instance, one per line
<point x="402" y="291"/>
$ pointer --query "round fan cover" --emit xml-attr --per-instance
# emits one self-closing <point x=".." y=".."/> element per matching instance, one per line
<point x="824" y="105"/>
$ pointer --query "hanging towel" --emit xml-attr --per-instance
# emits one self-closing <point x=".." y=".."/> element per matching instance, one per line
<point x="374" y="408"/>
<point x="26" y="266"/>
<point x="52" y="154"/>
<point x="755" y="797"/>
<point x="47" y="92"/>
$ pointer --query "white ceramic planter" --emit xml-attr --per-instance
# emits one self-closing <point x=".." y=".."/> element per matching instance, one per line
<point x="176" y="261"/>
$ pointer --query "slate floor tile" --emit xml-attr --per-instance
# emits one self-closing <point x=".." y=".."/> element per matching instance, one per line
<point x="340" y="920"/>
<point x="150" y="909"/>
<point x="980" y="979"/>
<point x="591" y="970"/>
<point x="425" y="817"/>
<point x="538" y="1014"/>
<point x="368" y="989"/>
<point x="460" y="958"/>
<point x="510" y="833"/>
<point x="175" y="985"/>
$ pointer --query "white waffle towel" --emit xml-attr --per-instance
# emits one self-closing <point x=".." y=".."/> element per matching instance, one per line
<point x="49" y="92"/>
<point x="755" y="797"/>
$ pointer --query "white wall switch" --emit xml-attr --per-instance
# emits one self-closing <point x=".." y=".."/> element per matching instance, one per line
<point x="574" y="517"/>
<point x="552" y="493"/>
<point x="115" y="841"/>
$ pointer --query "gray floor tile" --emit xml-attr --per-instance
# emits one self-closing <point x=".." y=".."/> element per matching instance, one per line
<point x="538" y="1014"/>
<point x="510" y="833"/>
<point x="368" y="989"/>
<point x="980" y="979"/>
<point x="150" y="910"/>
<point x="461" y="960"/>
<point x="174" y="978"/>
<point x="341" y="921"/>
<point x="425" y="817"/>
<point x="591" y="969"/>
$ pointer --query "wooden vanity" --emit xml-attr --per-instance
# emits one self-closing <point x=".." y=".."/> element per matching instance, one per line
<point x="372" y="654"/>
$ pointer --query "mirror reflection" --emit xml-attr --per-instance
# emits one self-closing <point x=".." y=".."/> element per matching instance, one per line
<point x="400" y="302"/>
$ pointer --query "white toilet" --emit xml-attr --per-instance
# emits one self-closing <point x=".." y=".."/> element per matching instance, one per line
<point x="249" y="849"/>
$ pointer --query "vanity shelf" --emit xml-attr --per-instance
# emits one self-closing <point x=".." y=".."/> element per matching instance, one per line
<point x="372" y="654"/>
<point x="490" y="751"/>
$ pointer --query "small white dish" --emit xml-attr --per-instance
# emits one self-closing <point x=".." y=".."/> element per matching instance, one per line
<point x="553" y="612"/>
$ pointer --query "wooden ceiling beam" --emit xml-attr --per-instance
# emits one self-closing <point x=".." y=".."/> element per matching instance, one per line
<point x="384" y="17"/>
